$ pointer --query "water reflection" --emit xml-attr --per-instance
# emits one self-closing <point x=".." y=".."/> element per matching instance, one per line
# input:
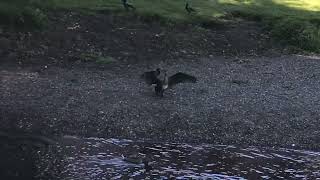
<point x="96" y="158"/>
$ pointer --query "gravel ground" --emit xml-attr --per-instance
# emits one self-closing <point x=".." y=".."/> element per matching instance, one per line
<point x="247" y="93"/>
<point x="250" y="101"/>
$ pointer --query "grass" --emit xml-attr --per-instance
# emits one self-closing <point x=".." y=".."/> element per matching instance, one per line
<point x="97" y="58"/>
<point x="105" y="60"/>
<point x="167" y="9"/>
<point x="23" y="13"/>
<point x="295" y="22"/>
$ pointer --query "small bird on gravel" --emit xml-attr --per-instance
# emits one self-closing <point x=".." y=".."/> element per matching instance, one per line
<point x="188" y="8"/>
<point x="168" y="81"/>
<point x="127" y="6"/>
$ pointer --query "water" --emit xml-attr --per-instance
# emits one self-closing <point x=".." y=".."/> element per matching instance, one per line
<point x="97" y="158"/>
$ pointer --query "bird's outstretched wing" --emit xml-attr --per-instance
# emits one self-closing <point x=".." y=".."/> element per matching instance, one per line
<point x="150" y="77"/>
<point x="181" y="78"/>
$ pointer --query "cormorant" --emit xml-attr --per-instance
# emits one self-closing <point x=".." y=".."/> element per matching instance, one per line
<point x="127" y="6"/>
<point x="168" y="81"/>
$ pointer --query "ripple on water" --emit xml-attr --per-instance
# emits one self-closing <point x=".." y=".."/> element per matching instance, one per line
<point x="98" y="158"/>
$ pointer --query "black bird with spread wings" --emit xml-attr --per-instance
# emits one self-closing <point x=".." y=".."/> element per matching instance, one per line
<point x="152" y="78"/>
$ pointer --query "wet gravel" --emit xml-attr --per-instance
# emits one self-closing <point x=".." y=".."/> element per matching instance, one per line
<point x="253" y="101"/>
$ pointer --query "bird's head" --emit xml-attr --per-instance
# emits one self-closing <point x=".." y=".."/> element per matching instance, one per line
<point x="158" y="71"/>
<point x="164" y="73"/>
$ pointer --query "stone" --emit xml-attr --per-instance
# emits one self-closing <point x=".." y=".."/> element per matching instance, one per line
<point x="5" y="44"/>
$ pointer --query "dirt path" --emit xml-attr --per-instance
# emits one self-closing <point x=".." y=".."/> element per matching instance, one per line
<point x="240" y="99"/>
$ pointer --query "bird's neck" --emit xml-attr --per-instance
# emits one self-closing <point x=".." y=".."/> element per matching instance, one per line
<point x="165" y="82"/>
<point x="165" y="79"/>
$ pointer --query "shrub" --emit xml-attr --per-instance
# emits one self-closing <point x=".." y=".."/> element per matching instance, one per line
<point x="298" y="32"/>
<point x="26" y="14"/>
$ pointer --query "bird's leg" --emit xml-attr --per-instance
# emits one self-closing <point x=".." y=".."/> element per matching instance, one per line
<point x="156" y="90"/>
<point x="161" y="93"/>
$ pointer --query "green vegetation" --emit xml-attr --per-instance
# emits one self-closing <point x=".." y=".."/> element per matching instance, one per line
<point x="295" y="22"/>
<point x="105" y="60"/>
<point x="97" y="58"/>
<point x="167" y="10"/>
<point x="24" y="13"/>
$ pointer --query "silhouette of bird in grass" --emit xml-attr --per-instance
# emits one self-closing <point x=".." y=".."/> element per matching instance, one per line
<point x="153" y="78"/>
<point x="189" y="9"/>
<point x="127" y="5"/>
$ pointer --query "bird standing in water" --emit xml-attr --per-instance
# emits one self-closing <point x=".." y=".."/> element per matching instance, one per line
<point x="127" y="6"/>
